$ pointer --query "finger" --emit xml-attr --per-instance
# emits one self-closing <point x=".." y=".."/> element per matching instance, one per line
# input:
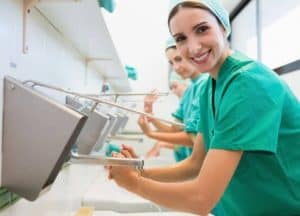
<point x="131" y="151"/>
<point x="126" y="153"/>
<point x="119" y="155"/>
<point x="153" y="91"/>
<point x="109" y="176"/>
<point x="116" y="155"/>
<point x="126" y="147"/>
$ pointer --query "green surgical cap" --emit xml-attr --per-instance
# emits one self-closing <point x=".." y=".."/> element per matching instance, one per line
<point x="109" y="5"/>
<point x="174" y="77"/>
<point x="214" y="6"/>
<point x="170" y="43"/>
<point x="131" y="72"/>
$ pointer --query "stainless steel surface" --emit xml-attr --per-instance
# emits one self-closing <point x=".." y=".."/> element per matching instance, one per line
<point x="96" y="127"/>
<point x="128" y="94"/>
<point x="125" y="138"/>
<point x="91" y="132"/>
<point x="38" y="134"/>
<point x="35" y="83"/>
<point x="110" y="161"/>
<point x="125" y="120"/>
<point x="102" y="139"/>
<point x="73" y="103"/>
<point x="117" y="125"/>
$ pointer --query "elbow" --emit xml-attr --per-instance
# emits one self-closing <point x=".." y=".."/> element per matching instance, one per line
<point x="203" y="206"/>
<point x="203" y="212"/>
<point x="191" y="139"/>
<point x="187" y="141"/>
<point x="190" y="142"/>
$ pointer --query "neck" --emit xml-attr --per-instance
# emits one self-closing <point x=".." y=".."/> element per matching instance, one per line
<point x="214" y="72"/>
<point x="195" y="75"/>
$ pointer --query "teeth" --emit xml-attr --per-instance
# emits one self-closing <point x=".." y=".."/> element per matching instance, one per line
<point x="201" y="57"/>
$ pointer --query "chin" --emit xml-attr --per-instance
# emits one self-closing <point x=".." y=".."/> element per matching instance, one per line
<point x="204" y="68"/>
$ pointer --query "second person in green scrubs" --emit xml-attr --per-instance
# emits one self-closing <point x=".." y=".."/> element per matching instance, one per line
<point x="248" y="149"/>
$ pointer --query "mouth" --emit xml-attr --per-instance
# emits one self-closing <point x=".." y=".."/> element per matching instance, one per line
<point x="201" y="58"/>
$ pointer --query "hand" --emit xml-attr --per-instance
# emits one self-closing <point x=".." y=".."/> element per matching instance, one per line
<point x="128" y="151"/>
<point x="124" y="176"/>
<point x="154" y="151"/>
<point x="144" y="125"/>
<point x="149" y="100"/>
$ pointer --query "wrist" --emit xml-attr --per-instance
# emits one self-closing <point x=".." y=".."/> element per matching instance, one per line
<point x="150" y="134"/>
<point x="137" y="182"/>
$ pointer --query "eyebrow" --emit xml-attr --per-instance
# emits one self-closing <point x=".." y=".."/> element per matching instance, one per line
<point x="198" y="25"/>
<point x="194" y="27"/>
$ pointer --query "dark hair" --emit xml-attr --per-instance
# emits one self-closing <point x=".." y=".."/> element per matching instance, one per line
<point x="190" y="4"/>
<point x="171" y="47"/>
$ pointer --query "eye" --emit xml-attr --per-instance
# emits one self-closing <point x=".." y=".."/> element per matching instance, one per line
<point x="178" y="59"/>
<point x="179" y="38"/>
<point x="170" y="62"/>
<point x="201" y="29"/>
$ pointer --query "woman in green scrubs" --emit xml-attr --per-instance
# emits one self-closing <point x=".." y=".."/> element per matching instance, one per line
<point x="248" y="147"/>
<point x="178" y="87"/>
<point x="188" y="103"/>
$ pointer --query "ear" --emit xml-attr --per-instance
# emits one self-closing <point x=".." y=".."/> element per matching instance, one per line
<point x="223" y="31"/>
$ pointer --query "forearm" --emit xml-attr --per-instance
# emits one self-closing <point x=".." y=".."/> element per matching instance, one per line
<point x="180" y="171"/>
<point x="178" y="196"/>
<point x="199" y="195"/>
<point x="180" y="138"/>
<point x="162" y="127"/>
<point x="183" y="170"/>
<point x="166" y="145"/>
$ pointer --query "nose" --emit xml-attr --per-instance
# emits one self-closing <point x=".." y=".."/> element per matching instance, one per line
<point x="176" y="67"/>
<point x="194" y="46"/>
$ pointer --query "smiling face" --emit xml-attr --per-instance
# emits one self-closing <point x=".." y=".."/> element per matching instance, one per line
<point x="178" y="88"/>
<point x="182" y="67"/>
<point x="200" y="38"/>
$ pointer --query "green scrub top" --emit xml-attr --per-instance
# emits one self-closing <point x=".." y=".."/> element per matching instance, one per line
<point x="249" y="108"/>
<point x="181" y="152"/>
<point x="188" y="104"/>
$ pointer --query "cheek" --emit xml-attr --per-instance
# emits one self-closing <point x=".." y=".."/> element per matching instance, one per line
<point x="182" y="50"/>
<point x="219" y="43"/>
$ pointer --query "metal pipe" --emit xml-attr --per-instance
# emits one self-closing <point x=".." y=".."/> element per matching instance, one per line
<point x="36" y="83"/>
<point x="120" y="137"/>
<point x="109" y="161"/>
<point x="118" y="94"/>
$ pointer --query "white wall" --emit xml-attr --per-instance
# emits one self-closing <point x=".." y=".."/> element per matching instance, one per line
<point x="279" y="43"/>
<point x="51" y="60"/>
<point x="245" y="40"/>
<point x="139" y="31"/>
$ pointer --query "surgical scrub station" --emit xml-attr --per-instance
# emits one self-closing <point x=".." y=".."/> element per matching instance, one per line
<point x="150" y="108"/>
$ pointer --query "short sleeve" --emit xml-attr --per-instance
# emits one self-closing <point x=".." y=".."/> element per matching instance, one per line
<point x="178" y="114"/>
<point x="192" y="120"/>
<point x="249" y="116"/>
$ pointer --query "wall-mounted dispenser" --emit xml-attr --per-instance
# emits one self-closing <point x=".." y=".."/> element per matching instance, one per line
<point x="38" y="134"/>
<point x="93" y="129"/>
<point x="105" y="133"/>
<point x="96" y="128"/>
